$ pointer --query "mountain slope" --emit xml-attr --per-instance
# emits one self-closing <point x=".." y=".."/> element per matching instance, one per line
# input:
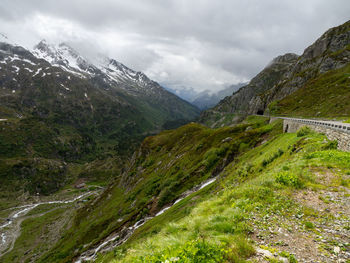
<point x="328" y="55"/>
<point x="65" y="109"/>
<point x="263" y="200"/>
<point x="247" y="192"/>
<point x="113" y="75"/>
<point x="283" y="201"/>
<point x="165" y="168"/>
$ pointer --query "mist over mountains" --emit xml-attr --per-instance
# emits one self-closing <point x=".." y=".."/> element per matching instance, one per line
<point x="204" y="99"/>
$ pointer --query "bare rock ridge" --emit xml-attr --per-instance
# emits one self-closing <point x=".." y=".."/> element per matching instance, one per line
<point x="288" y="73"/>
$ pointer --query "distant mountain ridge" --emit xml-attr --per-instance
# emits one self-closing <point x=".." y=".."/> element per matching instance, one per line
<point x="206" y="100"/>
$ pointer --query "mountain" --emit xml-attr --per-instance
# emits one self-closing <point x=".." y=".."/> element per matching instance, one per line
<point x="115" y="75"/>
<point x="57" y="108"/>
<point x="308" y="85"/>
<point x="205" y="99"/>
<point x="246" y="191"/>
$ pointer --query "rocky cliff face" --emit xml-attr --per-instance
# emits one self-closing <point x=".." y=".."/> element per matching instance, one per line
<point x="289" y="73"/>
<point x="249" y="99"/>
<point x="329" y="52"/>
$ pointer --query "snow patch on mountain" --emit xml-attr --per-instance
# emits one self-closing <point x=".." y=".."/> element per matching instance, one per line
<point x="70" y="60"/>
<point x="62" y="56"/>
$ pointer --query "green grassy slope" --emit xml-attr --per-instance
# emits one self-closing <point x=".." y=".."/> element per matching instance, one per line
<point x="326" y="96"/>
<point x="165" y="166"/>
<point x="263" y="200"/>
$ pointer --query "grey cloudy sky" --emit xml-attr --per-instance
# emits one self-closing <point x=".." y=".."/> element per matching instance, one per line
<point x="203" y="44"/>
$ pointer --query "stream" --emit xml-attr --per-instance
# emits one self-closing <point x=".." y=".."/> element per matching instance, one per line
<point x="7" y="240"/>
<point x="124" y="234"/>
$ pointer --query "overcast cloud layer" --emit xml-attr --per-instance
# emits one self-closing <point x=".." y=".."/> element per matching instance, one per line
<point x="203" y="44"/>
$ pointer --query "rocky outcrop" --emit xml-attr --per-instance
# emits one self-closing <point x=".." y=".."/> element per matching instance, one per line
<point x="288" y="73"/>
<point x="329" y="52"/>
<point x="250" y="99"/>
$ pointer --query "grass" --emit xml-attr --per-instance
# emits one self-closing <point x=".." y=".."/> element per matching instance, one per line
<point x="166" y="166"/>
<point x="222" y="220"/>
<point x="259" y="170"/>
<point x="327" y="96"/>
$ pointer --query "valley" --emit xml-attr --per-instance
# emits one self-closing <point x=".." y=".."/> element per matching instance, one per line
<point x="100" y="163"/>
<point x="14" y="217"/>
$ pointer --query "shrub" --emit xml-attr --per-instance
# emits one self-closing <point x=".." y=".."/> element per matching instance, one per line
<point x="331" y="145"/>
<point x="245" y="170"/>
<point x="270" y="159"/>
<point x="309" y="225"/>
<point x="305" y="130"/>
<point x="288" y="179"/>
<point x="196" y="251"/>
<point x="212" y="156"/>
<point x="291" y="257"/>
<point x="273" y="107"/>
<point x="166" y="196"/>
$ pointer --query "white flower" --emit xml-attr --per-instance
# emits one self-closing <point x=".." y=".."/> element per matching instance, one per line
<point x="336" y="250"/>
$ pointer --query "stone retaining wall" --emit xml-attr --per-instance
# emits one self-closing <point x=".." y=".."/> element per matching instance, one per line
<point x="333" y="131"/>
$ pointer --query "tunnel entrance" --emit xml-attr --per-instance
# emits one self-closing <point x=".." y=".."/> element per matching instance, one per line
<point x="286" y="129"/>
<point x="260" y="112"/>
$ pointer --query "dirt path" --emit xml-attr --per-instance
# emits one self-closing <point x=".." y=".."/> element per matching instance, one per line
<point x="319" y="231"/>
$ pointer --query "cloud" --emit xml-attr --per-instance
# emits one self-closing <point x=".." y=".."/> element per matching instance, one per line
<point x="202" y="44"/>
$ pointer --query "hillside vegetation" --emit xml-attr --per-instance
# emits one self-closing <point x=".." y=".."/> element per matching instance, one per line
<point x="325" y="96"/>
<point x="276" y="194"/>
<point x="166" y="166"/>
<point x="283" y="200"/>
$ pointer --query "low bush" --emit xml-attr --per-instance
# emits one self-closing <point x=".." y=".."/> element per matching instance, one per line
<point x="288" y="179"/>
<point x="309" y="225"/>
<point x="196" y="251"/>
<point x="305" y="130"/>
<point x="270" y="159"/>
<point x="331" y="145"/>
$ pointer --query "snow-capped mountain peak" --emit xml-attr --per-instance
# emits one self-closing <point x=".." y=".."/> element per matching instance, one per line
<point x="66" y="57"/>
<point x="118" y="72"/>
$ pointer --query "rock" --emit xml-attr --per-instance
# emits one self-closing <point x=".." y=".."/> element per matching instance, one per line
<point x="79" y="186"/>
<point x="228" y="139"/>
<point x="283" y="260"/>
<point x="286" y="74"/>
<point x="264" y="252"/>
